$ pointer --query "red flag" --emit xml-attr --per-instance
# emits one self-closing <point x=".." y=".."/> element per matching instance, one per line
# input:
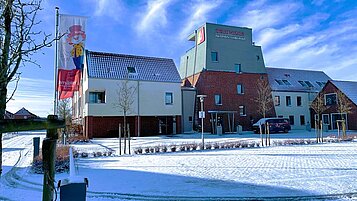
<point x="68" y="81"/>
<point x="65" y="94"/>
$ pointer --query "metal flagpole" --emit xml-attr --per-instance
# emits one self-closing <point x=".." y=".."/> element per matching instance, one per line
<point x="55" y="98"/>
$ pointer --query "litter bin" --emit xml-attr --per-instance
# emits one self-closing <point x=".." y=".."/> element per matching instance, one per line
<point x="239" y="129"/>
<point x="219" y="130"/>
<point x="73" y="189"/>
<point x="36" y="146"/>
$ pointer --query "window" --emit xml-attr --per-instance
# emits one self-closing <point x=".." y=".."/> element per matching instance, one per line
<point x="218" y="99"/>
<point x="309" y="84"/>
<point x="291" y="119"/>
<point x="286" y="82"/>
<point x="326" y="119"/>
<point x="242" y="110"/>
<point x="190" y="118"/>
<point x="169" y="98"/>
<point x="277" y="100"/>
<point x="302" y="120"/>
<point x="96" y="97"/>
<point x="131" y="70"/>
<point x="288" y="101"/>
<point x="302" y="83"/>
<point x="240" y="89"/>
<point x="280" y="82"/>
<point x="298" y="101"/>
<point x="238" y="68"/>
<point x="321" y="84"/>
<point x="330" y="99"/>
<point x="214" y="56"/>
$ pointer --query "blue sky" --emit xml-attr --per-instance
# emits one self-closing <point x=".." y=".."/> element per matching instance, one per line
<point x="316" y="34"/>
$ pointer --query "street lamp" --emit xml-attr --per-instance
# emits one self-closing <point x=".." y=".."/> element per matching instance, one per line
<point x="201" y="115"/>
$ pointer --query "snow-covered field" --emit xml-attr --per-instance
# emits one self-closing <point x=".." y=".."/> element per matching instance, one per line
<point x="301" y="172"/>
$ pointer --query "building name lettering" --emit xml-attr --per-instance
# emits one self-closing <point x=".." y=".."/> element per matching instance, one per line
<point x="229" y="34"/>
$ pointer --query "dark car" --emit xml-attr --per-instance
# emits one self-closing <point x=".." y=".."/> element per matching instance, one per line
<point x="275" y="125"/>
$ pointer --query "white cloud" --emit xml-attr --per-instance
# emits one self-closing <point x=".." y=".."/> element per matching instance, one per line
<point x="155" y="15"/>
<point x="36" y="95"/>
<point x="200" y="11"/>
<point x="110" y="8"/>
<point x="260" y="15"/>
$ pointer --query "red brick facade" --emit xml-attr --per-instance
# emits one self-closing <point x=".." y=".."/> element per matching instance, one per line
<point x="225" y="83"/>
<point x="109" y="126"/>
<point x="351" y="118"/>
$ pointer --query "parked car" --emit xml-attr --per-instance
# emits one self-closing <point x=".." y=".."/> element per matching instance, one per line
<point x="275" y="125"/>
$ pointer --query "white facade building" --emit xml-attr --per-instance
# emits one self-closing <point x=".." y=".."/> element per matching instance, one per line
<point x="293" y="91"/>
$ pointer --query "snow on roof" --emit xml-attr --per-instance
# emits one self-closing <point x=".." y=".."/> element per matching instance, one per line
<point x="282" y="79"/>
<point x="348" y="88"/>
<point x="120" y="66"/>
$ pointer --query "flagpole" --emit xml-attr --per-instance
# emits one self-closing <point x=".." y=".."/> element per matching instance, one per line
<point x="55" y="98"/>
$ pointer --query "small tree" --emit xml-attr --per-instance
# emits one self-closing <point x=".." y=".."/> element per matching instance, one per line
<point x="65" y="112"/>
<point x="264" y="101"/>
<point x="319" y="107"/>
<point x="344" y="106"/>
<point x="17" y="45"/>
<point x="126" y="98"/>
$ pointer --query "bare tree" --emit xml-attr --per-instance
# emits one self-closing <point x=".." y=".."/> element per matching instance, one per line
<point x="65" y="112"/>
<point x="264" y="102"/>
<point x="17" y="45"/>
<point x="344" y="106"/>
<point x="126" y="98"/>
<point x="319" y="107"/>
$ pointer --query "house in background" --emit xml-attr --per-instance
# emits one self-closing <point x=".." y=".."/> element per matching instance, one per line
<point x="293" y="91"/>
<point x="24" y="114"/>
<point x="156" y="107"/>
<point x="224" y="64"/>
<point x="331" y="115"/>
<point x="8" y="115"/>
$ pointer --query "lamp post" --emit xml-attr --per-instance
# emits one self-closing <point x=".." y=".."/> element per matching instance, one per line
<point x="202" y="116"/>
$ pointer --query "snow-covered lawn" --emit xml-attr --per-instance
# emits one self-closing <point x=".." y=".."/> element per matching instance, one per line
<point x="235" y="174"/>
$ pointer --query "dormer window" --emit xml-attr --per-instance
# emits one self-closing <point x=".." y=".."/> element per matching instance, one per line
<point x="131" y="70"/>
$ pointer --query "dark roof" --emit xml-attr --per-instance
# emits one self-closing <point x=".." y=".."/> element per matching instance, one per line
<point x="316" y="79"/>
<point x="8" y="115"/>
<point x="24" y="112"/>
<point x="348" y="88"/>
<point x="115" y="66"/>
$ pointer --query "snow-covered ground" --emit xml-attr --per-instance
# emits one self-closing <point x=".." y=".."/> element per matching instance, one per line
<point x="319" y="171"/>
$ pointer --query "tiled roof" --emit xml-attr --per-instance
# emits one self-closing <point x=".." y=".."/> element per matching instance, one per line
<point x="295" y="79"/>
<point x="24" y="111"/>
<point x="348" y="88"/>
<point x="115" y="66"/>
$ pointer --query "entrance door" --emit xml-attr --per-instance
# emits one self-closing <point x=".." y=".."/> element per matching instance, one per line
<point x="337" y="116"/>
<point x="326" y="120"/>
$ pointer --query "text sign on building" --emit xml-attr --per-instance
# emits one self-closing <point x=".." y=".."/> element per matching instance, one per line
<point x="201" y="114"/>
<point x="229" y="34"/>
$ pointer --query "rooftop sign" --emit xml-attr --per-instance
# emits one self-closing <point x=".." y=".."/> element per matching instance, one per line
<point x="229" y="34"/>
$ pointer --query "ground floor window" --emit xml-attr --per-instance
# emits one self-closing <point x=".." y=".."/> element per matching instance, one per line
<point x="242" y="111"/>
<point x="291" y="119"/>
<point x="302" y="120"/>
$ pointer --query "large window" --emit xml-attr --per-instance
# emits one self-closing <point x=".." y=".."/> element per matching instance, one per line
<point x="330" y="99"/>
<point x="169" y="98"/>
<point x="277" y="100"/>
<point x="288" y="100"/>
<point x="97" y="97"/>
<point x="240" y="89"/>
<point x="214" y="56"/>
<point x="298" y="101"/>
<point x="218" y="99"/>
<point x="238" y="68"/>
<point x="242" y="110"/>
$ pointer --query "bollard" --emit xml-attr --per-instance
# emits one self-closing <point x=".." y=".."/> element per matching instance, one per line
<point x="36" y="147"/>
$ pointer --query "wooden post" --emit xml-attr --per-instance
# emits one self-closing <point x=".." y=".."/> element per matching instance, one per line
<point x="261" y="135"/>
<point x="128" y="137"/>
<point x="49" y="159"/>
<point x="338" y="130"/>
<point x="321" y="133"/>
<point x="119" y="139"/>
<point x="268" y="134"/>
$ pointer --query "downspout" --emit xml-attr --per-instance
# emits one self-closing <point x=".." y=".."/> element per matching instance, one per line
<point x="195" y="59"/>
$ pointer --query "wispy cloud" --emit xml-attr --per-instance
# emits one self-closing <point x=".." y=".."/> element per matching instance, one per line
<point x="36" y="95"/>
<point x="110" y="8"/>
<point x="259" y="15"/>
<point x="154" y="16"/>
<point x="200" y="10"/>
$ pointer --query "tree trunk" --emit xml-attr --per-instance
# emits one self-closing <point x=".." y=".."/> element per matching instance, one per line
<point x="3" y="92"/>
<point x="125" y="132"/>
